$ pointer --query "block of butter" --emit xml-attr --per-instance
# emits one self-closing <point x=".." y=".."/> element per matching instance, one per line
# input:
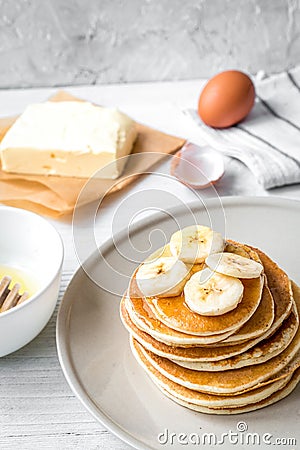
<point x="71" y="139"/>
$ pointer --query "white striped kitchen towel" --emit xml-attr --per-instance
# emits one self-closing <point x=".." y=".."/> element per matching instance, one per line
<point x="268" y="140"/>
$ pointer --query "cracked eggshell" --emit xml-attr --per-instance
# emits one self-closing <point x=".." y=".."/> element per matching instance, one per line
<point x="197" y="167"/>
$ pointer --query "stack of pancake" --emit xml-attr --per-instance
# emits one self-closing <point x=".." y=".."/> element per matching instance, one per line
<point x="239" y="361"/>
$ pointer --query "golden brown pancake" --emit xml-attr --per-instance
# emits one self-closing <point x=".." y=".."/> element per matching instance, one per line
<point x="203" y="399"/>
<point x="242" y="249"/>
<point x="174" y="312"/>
<point x="270" y="400"/>
<point x="279" y="285"/>
<point x="161" y="334"/>
<point x="240" y="361"/>
<point x="261" y="352"/>
<point x="144" y="319"/>
<point x="281" y="290"/>
<point x="259" y="323"/>
<point x="228" y="381"/>
<point x="160" y="348"/>
<point x="194" y="353"/>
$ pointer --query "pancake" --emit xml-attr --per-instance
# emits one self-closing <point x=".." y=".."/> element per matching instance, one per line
<point x="242" y="249"/>
<point x="287" y="370"/>
<point x="176" y="353"/>
<point x="237" y="362"/>
<point x="203" y="399"/>
<point x="273" y="398"/>
<point x="259" y="323"/>
<point x="155" y="336"/>
<point x="173" y="312"/>
<point x="228" y="381"/>
<point x="262" y="352"/>
<point x="143" y="318"/>
<point x="282" y="293"/>
<point x="279" y="285"/>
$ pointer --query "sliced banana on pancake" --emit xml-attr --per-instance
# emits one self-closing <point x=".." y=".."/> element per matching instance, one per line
<point x="164" y="276"/>
<point x="194" y="243"/>
<point x="234" y="265"/>
<point x="211" y="294"/>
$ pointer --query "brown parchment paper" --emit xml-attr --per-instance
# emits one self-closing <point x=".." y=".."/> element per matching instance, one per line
<point x="56" y="196"/>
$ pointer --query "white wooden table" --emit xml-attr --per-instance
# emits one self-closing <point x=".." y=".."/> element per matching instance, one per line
<point x="37" y="407"/>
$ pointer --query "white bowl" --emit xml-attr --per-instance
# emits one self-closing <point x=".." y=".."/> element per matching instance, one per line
<point x="28" y="241"/>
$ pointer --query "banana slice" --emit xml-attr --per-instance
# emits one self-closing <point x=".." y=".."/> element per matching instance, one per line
<point x="166" y="276"/>
<point x="194" y="243"/>
<point x="234" y="265"/>
<point x="211" y="294"/>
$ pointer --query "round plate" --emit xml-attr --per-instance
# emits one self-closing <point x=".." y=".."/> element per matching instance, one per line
<point x="93" y="345"/>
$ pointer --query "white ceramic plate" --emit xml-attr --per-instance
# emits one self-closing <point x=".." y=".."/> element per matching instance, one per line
<point x="93" y="345"/>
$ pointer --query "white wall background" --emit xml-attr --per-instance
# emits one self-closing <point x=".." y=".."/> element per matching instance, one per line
<point x="58" y="42"/>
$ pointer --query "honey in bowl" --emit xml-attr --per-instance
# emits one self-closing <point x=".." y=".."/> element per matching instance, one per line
<point x="20" y="276"/>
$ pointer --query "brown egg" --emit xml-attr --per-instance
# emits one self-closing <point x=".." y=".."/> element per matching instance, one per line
<point x="226" y="99"/>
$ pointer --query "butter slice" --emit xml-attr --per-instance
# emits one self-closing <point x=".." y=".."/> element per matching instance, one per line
<point x="71" y="139"/>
